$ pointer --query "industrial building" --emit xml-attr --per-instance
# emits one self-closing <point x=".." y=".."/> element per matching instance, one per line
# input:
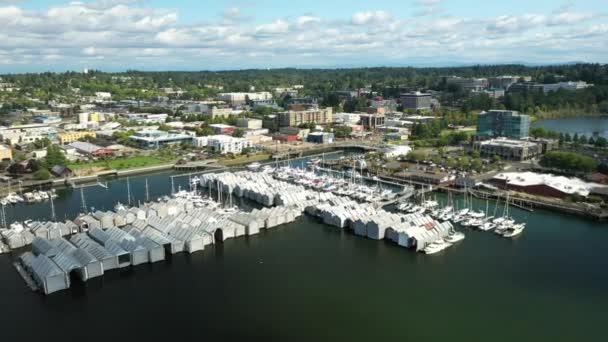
<point x="503" y="123"/>
<point x="320" y="138"/>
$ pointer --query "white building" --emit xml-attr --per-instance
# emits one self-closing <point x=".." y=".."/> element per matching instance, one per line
<point x="571" y="86"/>
<point x="396" y="151"/>
<point x="103" y="96"/>
<point x="347" y="118"/>
<point x="226" y="144"/>
<point x="240" y="98"/>
<point x="146" y="118"/>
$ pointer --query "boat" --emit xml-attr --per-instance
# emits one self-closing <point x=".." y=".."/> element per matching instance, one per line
<point x="314" y="161"/>
<point x="455" y="237"/>
<point x="44" y="195"/>
<point x="514" y="230"/>
<point x="254" y="166"/>
<point x="436" y="246"/>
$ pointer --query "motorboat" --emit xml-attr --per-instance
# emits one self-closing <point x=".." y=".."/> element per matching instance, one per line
<point x="454" y="237"/>
<point x="514" y="230"/>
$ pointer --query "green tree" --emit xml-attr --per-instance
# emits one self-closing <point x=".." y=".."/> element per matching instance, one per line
<point x="476" y="164"/>
<point x="238" y="133"/>
<point x="343" y="131"/>
<point x="42" y="174"/>
<point x="568" y="161"/>
<point x="601" y="142"/>
<point x="54" y="156"/>
<point x="464" y="163"/>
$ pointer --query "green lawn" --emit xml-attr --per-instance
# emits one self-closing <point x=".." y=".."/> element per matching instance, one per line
<point x="121" y="163"/>
<point x="244" y="159"/>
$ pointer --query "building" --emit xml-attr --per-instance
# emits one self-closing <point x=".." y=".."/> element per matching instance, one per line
<point x="396" y="151"/>
<point x="87" y="148"/>
<point x="467" y="84"/>
<point x="493" y="93"/>
<point x="320" y="138"/>
<point x="249" y="123"/>
<point x="69" y="137"/>
<point x="371" y="121"/>
<point x="543" y="184"/>
<point x="508" y="149"/>
<point x="146" y="118"/>
<point x="347" y="118"/>
<point x="390" y="106"/>
<point x="376" y="110"/>
<point x="546" y="144"/>
<point x="416" y="101"/>
<point x="226" y="144"/>
<point x="237" y="99"/>
<point x="153" y="139"/>
<point x="503" y="123"/>
<point x="295" y="118"/>
<point x="504" y="82"/>
<point x="222" y="129"/>
<point x="47" y="119"/>
<point x="300" y="133"/>
<point x="6" y="153"/>
<point x="570" y="86"/>
<point x="219" y="111"/>
<point x="523" y="87"/>
<point x="27" y="133"/>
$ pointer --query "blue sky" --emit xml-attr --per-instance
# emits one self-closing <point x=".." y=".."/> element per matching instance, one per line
<point x="41" y="35"/>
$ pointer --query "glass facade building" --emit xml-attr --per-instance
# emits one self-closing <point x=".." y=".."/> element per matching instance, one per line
<point x="503" y="123"/>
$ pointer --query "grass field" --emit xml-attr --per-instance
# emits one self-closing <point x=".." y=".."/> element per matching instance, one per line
<point x="244" y="159"/>
<point x="121" y="163"/>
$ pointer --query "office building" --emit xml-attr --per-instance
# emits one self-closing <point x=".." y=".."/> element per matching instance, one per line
<point x="225" y="144"/>
<point x="237" y="99"/>
<point x="320" y="138"/>
<point x="416" y="101"/>
<point x="222" y="129"/>
<point x="524" y="87"/>
<point x="371" y="121"/>
<point x="467" y="84"/>
<point x="503" y="123"/>
<point x="295" y="118"/>
<point x="508" y="149"/>
<point x="153" y="139"/>
<point x="570" y="86"/>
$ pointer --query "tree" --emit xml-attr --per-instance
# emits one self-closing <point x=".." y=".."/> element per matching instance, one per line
<point x="476" y="154"/>
<point x="476" y="164"/>
<point x="54" y="156"/>
<point x="582" y="139"/>
<point x="451" y="162"/>
<point x="601" y="142"/>
<point x="567" y="137"/>
<point x="568" y="161"/>
<point x="238" y="133"/>
<point x="496" y="159"/>
<point x="343" y="131"/>
<point x="464" y="163"/>
<point x="42" y="174"/>
<point x="416" y="156"/>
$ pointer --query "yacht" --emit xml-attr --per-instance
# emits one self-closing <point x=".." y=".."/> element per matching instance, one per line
<point x="44" y="195"/>
<point x="454" y="237"/>
<point x="436" y="246"/>
<point x="488" y="225"/>
<point x="514" y="230"/>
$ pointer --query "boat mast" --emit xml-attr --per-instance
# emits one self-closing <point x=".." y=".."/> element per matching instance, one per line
<point x="83" y="203"/>
<point x="53" y="216"/>
<point x="147" y="191"/>
<point x="172" y="186"/>
<point x="3" y="217"/>
<point x="128" y="192"/>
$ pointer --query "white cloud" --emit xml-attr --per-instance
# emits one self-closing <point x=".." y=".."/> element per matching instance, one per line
<point x="371" y="17"/>
<point x="277" y="26"/>
<point x="118" y="33"/>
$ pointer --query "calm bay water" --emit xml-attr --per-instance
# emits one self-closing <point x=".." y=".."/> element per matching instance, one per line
<point x="307" y="281"/>
<point x="589" y="126"/>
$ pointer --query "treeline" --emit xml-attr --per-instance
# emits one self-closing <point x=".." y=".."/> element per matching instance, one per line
<point x="317" y="82"/>
<point x="584" y="101"/>
<point x="568" y="161"/>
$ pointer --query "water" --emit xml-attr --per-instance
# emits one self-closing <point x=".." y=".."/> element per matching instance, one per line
<point x="307" y="281"/>
<point x="589" y="126"/>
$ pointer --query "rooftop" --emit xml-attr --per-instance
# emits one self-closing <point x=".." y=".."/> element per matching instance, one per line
<point x="564" y="184"/>
<point x="508" y="142"/>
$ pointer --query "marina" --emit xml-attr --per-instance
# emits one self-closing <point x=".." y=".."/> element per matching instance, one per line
<point x="310" y="253"/>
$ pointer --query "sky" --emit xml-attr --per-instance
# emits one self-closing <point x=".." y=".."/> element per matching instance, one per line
<point x="117" y="35"/>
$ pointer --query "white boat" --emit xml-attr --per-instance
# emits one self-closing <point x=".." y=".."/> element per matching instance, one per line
<point x="514" y="230"/>
<point x="254" y="166"/>
<point x="44" y="195"/>
<point x="436" y="246"/>
<point x="455" y="237"/>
